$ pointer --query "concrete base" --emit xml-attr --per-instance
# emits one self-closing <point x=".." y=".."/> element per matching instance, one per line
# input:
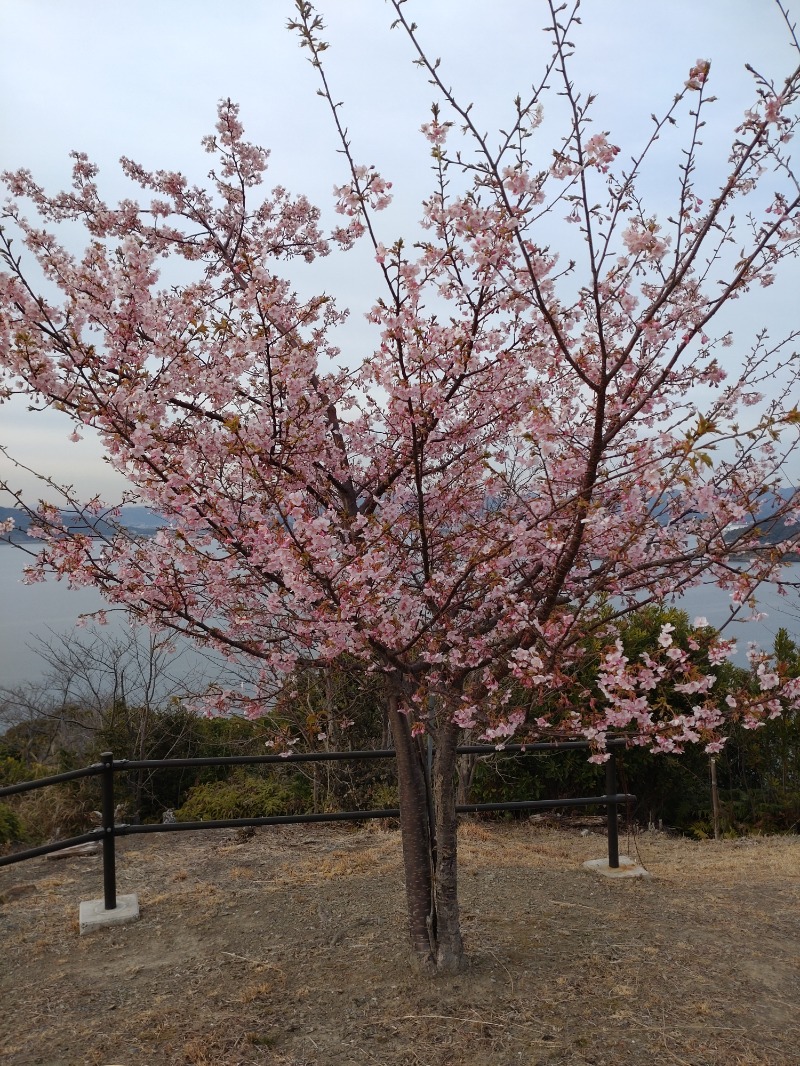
<point x="93" y="913"/>
<point x="627" y="868"/>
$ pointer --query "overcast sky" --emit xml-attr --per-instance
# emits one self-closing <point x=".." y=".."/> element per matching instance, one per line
<point x="143" y="77"/>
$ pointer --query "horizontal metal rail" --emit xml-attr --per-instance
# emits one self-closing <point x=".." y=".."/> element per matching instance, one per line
<point x="273" y="819"/>
<point x="53" y="779"/>
<point x="340" y="756"/>
<point x="94" y="835"/>
<point x="109" y="830"/>
<point x="291" y="757"/>
<point x="124" y="829"/>
<point x="531" y="805"/>
<point x="358" y="816"/>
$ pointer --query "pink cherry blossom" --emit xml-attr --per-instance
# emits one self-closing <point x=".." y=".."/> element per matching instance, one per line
<point x="530" y="449"/>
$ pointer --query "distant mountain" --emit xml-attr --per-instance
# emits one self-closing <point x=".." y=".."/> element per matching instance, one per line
<point x="141" y="519"/>
<point x="136" y="519"/>
<point x="769" y="504"/>
<point x="770" y="527"/>
<point x="145" y="522"/>
<point x="769" y="531"/>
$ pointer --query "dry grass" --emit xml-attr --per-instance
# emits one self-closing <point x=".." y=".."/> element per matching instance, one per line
<point x="289" y="949"/>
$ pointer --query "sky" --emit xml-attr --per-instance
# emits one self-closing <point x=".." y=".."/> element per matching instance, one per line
<point x="142" y="78"/>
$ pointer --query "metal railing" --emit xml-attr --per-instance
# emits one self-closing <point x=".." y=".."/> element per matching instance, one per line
<point x="109" y="830"/>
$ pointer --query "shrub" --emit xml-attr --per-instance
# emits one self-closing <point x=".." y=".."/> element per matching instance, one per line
<point x="244" y="795"/>
<point x="10" y="826"/>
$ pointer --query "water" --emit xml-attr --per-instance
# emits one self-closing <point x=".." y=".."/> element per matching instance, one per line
<point x="783" y="612"/>
<point x="31" y="611"/>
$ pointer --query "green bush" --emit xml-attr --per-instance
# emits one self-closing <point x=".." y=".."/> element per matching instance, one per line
<point x="244" y="795"/>
<point x="173" y="733"/>
<point x="14" y="770"/>
<point x="52" y="812"/>
<point x="383" y="796"/>
<point x="58" y="811"/>
<point x="10" y="825"/>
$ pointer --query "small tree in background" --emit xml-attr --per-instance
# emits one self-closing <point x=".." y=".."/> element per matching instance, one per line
<point x="101" y="690"/>
<point x="530" y="439"/>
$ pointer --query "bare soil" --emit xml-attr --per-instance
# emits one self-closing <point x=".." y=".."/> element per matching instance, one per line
<point x="289" y="949"/>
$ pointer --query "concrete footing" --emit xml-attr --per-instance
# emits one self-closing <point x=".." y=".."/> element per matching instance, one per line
<point x="93" y="913"/>
<point x="627" y="868"/>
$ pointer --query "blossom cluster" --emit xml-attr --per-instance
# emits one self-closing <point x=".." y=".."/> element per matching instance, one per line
<point x="528" y="440"/>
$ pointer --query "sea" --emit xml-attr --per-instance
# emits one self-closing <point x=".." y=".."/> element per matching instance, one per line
<point x="31" y="613"/>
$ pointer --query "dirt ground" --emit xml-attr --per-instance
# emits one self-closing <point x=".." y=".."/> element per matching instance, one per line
<point x="289" y="949"/>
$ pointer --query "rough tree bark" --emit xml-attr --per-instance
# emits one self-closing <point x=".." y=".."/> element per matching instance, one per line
<point x="416" y="835"/>
<point x="429" y="831"/>
<point x="449" y="948"/>
<point x="466" y="766"/>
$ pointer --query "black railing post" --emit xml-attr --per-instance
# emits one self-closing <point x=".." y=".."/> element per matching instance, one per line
<point x="613" y="816"/>
<point x="109" y="830"/>
<point x="109" y="856"/>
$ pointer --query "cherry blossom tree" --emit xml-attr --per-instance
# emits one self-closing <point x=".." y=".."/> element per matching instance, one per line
<point x="536" y="446"/>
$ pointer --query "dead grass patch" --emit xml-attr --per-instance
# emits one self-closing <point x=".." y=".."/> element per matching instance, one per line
<point x="290" y="950"/>
<point x="241" y="873"/>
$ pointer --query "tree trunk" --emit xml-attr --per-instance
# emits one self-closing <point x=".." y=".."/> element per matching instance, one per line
<point x="429" y="835"/>
<point x="449" y="948"/>
<point x="715" y="798"/>
<point x="466" y="774"/>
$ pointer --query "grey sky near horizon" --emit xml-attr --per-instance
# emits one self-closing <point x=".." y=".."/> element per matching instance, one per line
<point x="142" y="78"/>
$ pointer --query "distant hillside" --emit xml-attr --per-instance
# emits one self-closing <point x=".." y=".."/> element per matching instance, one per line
<point x="136" y="519"/>
<point x="770" y="529"/>
<point x="145" y="522"/>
